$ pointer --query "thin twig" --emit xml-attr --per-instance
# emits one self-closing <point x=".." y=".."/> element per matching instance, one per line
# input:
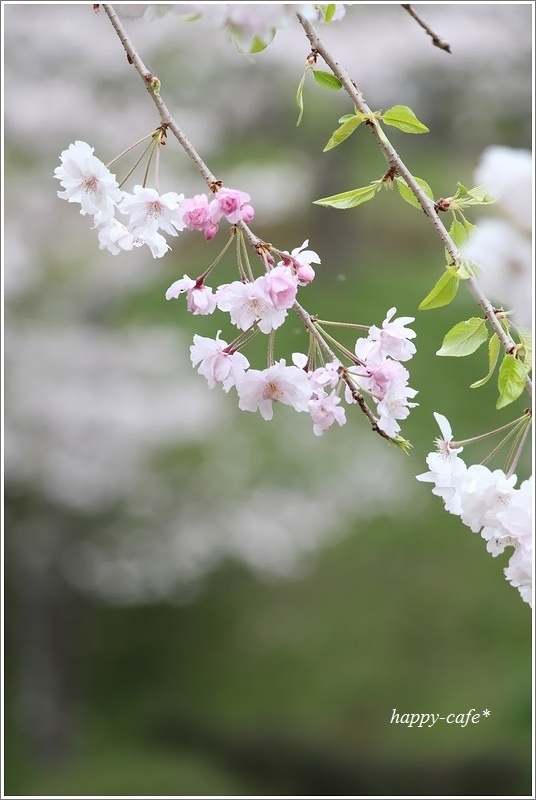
<point x="436" y="40"/>
<point x="168" y="122"/>
<point x="394" y="161"/>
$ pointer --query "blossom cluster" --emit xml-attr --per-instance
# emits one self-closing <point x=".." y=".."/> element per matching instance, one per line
<point x="251" y="25"/>
<point x="86" y="180"/>
<point x="254" y="305"/>
<point x="263" y="304"/>
<point x="380" y="372"/>
<point x="487" y="502"/>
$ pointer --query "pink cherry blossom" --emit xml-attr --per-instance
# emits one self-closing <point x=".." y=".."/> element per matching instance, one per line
<point x="199" y="298"/>
<point x="217" y="362"/>
<point x="258" y="389"/>
<point x="326" y="376"/>
<point x="325" y="410"/>
<point x="88" y="181"/>
<point x="228" y="203"/>
<point x="196" y="212"/>
<point x="249" y="303"/>
<point x="301" y="260"/>
<point x="281" y="286"/>
<point x="395" y="405"/>
<point x="150" y="211"/>
<point x="394" y="337"/>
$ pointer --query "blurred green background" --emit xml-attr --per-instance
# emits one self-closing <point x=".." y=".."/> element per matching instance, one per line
<point x="197" y="601"/>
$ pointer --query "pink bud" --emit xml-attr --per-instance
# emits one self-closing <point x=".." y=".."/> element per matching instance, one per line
<point x="305" y="274"/>
<point x="248" y="213"/>
<point x="210" y="231"/>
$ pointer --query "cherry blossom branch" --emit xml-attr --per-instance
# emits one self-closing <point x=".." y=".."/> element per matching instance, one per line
<point x="398" y="166"/>
<point x="152" y="84"/>
<point x="437" y="41"/>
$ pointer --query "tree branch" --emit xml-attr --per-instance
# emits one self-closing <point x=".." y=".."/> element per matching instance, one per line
<point x="168" y="122"/>
<point x="436" y="40"/>
<point x="394" y="161"/>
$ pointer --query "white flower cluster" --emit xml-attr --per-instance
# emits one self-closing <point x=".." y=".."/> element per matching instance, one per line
<point x="251" y="25"/>
<point x="487" y="502"/>
<point x="86" y="180"/>
<point x="502" y="245"/>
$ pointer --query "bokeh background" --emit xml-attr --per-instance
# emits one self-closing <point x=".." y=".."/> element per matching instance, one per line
<point x="198" y="601"/>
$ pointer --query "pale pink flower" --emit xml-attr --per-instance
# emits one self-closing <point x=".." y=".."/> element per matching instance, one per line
<point x="154" y="241"/>
<point x="249" y="303"/>
<point x="258" y="389"/>
<point x="216" y="362"/>
<point x="369" y="352"/>
<point x="325" y="410"/>
<point x="327" y="375"/>
<point x="150" y="211"/>
<point x="281" y="285"/>
<point x="301" y="260"/>
<point x="395" y="405"/>
<point x="516" y="517"/>
<point x="446" y="468"/>
<point x="484" y="494"/>
<point x="199" y="298"/>
<point x="114" y="236"/>
<point x="519" y="570"/>
<point x="393" y="337"/>
<point x="88" y="181"/>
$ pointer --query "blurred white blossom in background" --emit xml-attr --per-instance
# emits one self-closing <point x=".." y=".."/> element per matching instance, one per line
<point x="502" y="244"/>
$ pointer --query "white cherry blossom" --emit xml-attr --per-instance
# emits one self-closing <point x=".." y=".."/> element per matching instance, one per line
<point x="88" y="181"/>
<point x="258" y="389"/>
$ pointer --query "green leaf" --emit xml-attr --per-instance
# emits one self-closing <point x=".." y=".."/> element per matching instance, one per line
<point x="403" y="118"/>
<point x="494" y="347"/>
<point x="470" y="197"/>
<point x="464" y="338"/>
<point x="407" y="194"/>
<point x="327" y="80"/>
<point x="347" y="117"/>
<point x="329" y="12"/>
<point x="257" y="45"/>
<point x="526" y="340"/>
<point x="458" y="233"/>
<point x="299" y="97"/>
<point x="512" y="377"/>
<point x="342" y="133"/>
<point x="442" y="294"/>
<point x="350" y="199"/>
<point x="190" y="17"/>
<point x="465" y="269"/>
